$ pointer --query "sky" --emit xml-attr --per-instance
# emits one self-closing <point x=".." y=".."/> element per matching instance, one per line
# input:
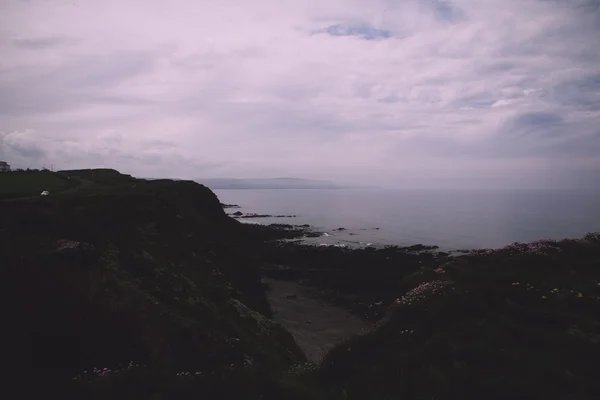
<point x="405" y="93"/>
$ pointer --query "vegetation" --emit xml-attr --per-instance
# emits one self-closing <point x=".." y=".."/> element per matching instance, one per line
<point x="98" y="280"/>
<point x="31" y="183"/>
<point x="519" y="322"/>
<point x="126" y="288"/>
<point x="101" y="175"/>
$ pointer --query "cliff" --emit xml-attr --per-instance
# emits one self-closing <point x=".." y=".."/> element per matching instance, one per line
<point x="149" y="278"/>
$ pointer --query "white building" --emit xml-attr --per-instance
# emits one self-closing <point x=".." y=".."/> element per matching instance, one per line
<point x="4" y="167"/>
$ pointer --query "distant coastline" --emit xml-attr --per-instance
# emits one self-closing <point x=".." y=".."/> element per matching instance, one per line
<point x="269" y="183"/>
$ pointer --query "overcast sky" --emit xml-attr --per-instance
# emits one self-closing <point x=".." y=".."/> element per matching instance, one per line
<point x="409" y="93"/>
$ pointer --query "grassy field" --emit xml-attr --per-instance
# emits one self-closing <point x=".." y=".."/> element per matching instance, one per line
<point x="22" y="184"/>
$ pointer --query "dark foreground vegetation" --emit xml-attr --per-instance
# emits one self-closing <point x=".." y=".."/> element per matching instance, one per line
<point x="125" y="288"/>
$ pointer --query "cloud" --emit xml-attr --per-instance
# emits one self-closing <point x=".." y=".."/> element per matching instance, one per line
<point x="582" y="92"/>
<point x="39" y="42"/>
<point x="446" y="11"/>
<point x="359" y="30"/>
<point x="398" y="93"/>
<point x="72" y="83"/>
<point x="537" y="123"/>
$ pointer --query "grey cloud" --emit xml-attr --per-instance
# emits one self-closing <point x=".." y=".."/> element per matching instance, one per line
<point x="580" y="146"/>
<point x="544" y="134"/>
<point x="151" y="159"/>
<point x="445" y="11"/>
<point x="211" y="58"/>
<point x="79" y="80"/>
<point x="497" y="66"/>
<point x="23" y="150"/>
<point x="389" y="99"/>
<point x="279" y="120"/>
<point x="359" y="30"/>
<point x="583" y="92"/>
<point x="533" y="134"/>
<point x="540" y="124"/>
<point x="40" y="42"/>
<point x="159" y="144"/>
<point x="28" y="151"/>
<point x="99" y="71"/>
<point x="537" y="119"/>
<point x="121" y="100"/>
<point x="153" y="155"/>
<point x="481" y="100"/>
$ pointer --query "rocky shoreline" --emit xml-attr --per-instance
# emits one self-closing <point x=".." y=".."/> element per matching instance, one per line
<point x="305" y="233"/>
<point x="240" y="214"/>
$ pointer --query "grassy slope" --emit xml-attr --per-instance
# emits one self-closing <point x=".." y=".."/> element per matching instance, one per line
<point x="28" y="183"/>
<point x="107" y="175"/>
<point x="521" y="322"/>
<point x="156" y="276"/>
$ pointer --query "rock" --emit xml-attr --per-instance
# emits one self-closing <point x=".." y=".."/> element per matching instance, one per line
<point x="340" y="229"/>
<point x="238" y="213"/>
<point x="291" y="296"/>
<point x="308" y="321"/>
<point x="420" y="247"/>
<point x="229" y="205"/>
<point x="281" y="226"/>
<point x="313" y="234"/>
<point x="66" y="245"/>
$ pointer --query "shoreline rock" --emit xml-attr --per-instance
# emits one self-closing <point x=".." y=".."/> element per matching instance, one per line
<point x="229" y="205"/>
<point x="239" y="214"/>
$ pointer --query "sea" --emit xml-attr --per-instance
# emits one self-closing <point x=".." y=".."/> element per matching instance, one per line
<point x="452" y="219"/>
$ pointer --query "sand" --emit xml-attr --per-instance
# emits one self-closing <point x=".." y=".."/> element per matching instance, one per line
<point x="316" y="325"/>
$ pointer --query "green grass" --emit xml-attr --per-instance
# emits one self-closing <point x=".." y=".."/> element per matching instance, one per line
<point x="22" y="184"/>
<point x="99" y="175"/>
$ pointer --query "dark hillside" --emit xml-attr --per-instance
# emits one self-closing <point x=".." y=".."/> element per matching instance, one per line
<point x="127" y="288"/>
<point x="106" y="276"/>
<point x="522" y="322"/>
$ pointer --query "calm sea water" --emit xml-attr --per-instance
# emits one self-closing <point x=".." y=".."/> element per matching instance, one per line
<point x="451" y="219"/>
